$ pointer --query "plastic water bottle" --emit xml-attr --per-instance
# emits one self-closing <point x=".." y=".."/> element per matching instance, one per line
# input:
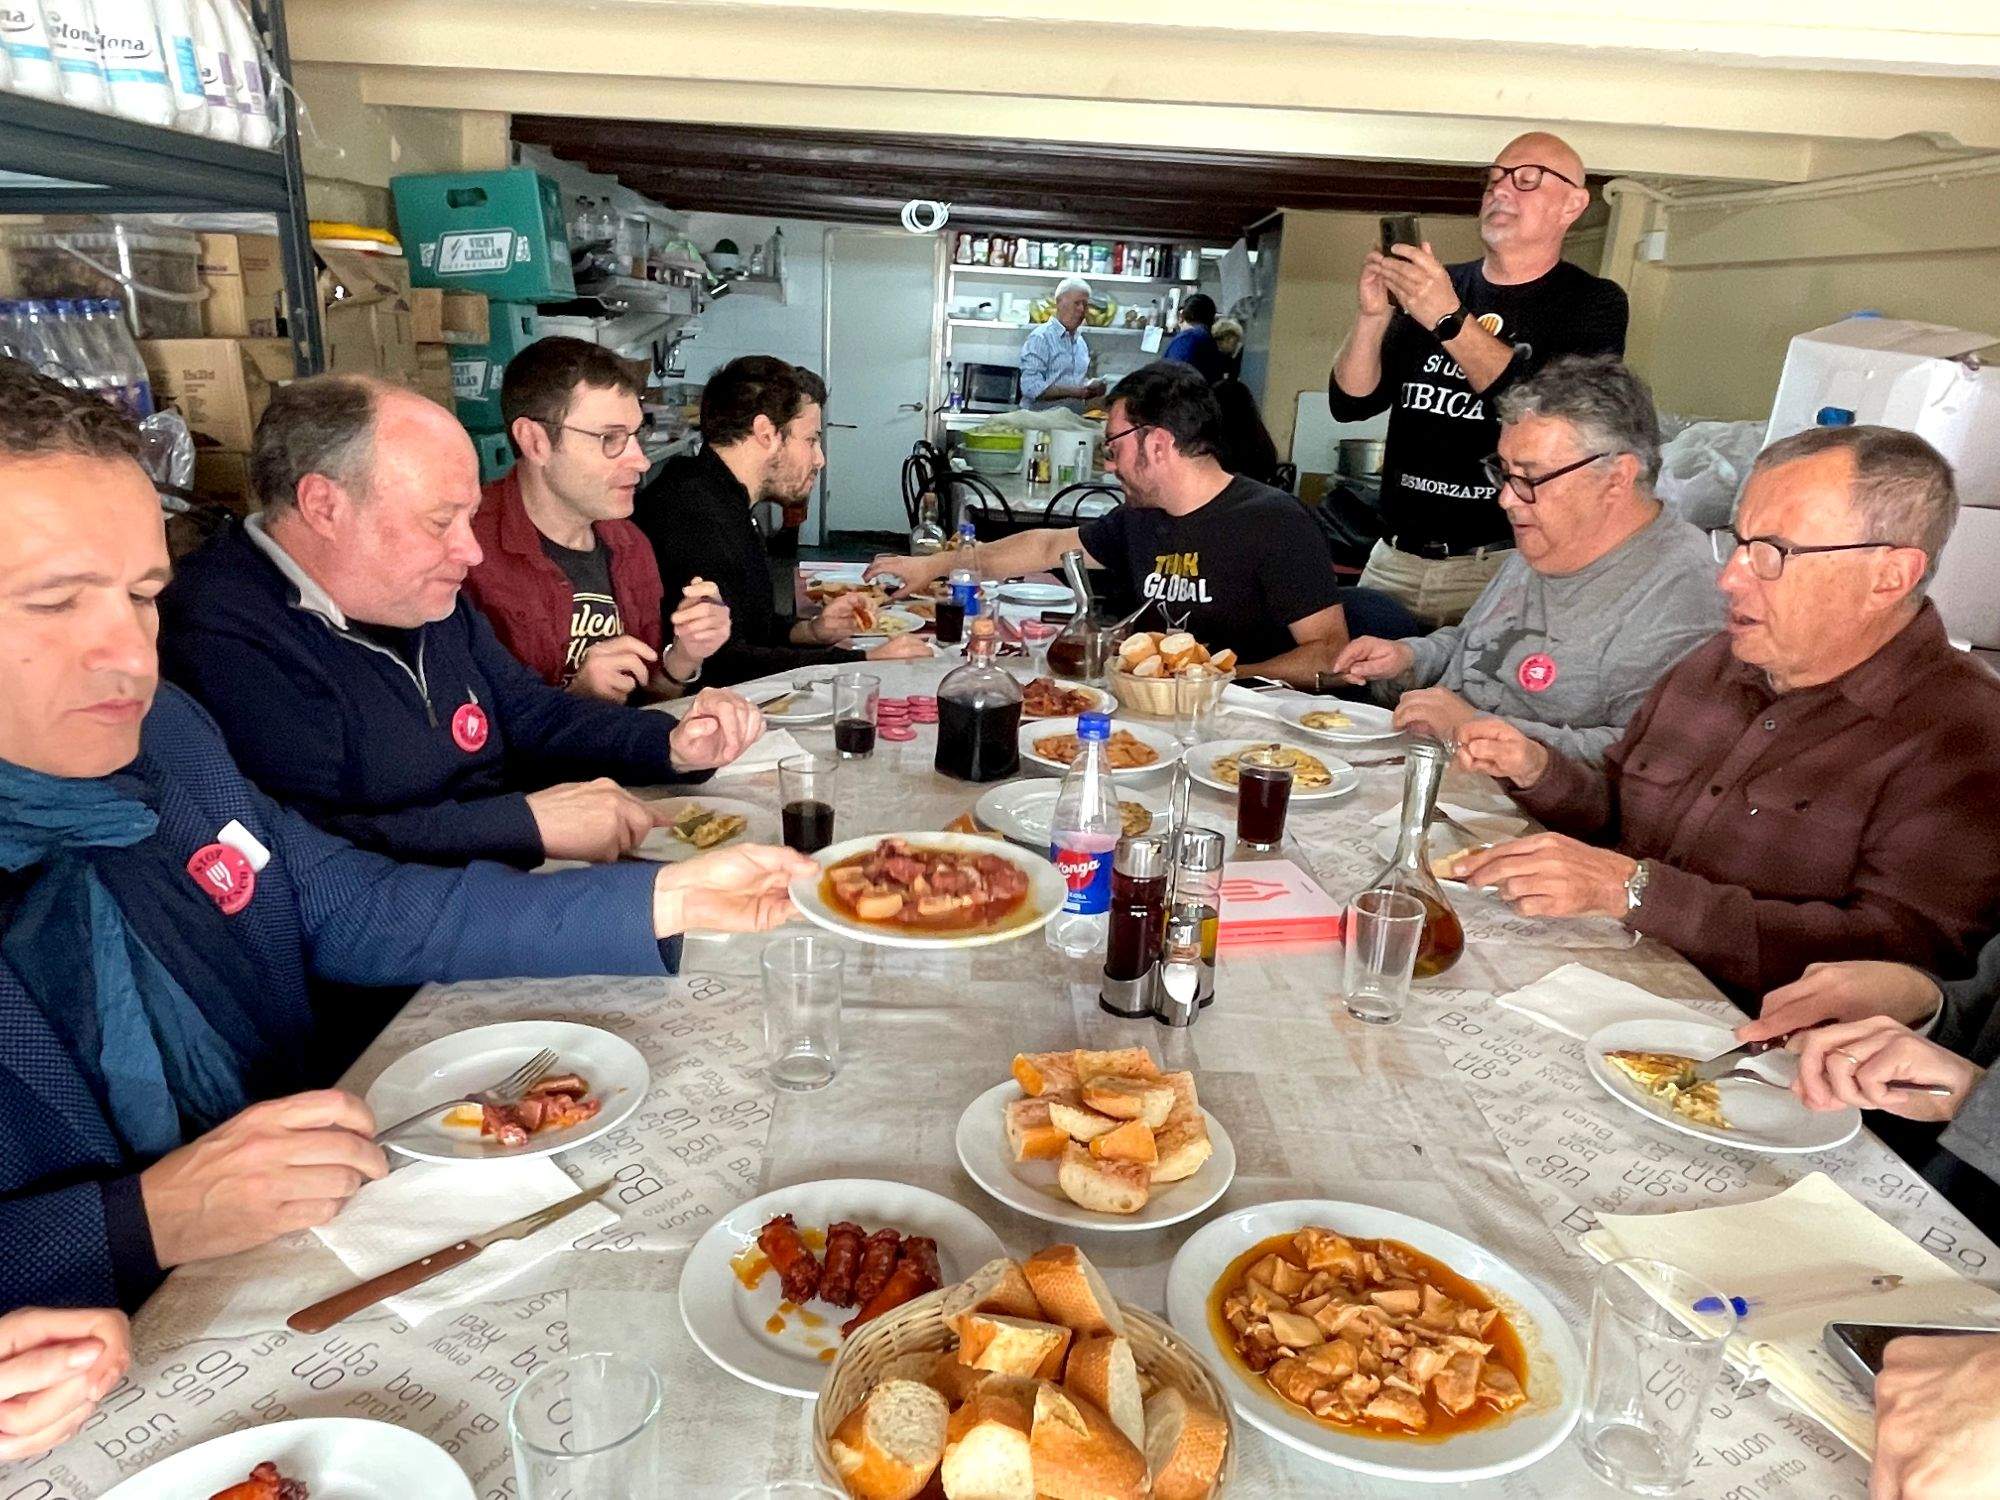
<point x="30" y="51"/>
<point x="78" y="53"/>
<point x="135" y="67"/>
<point x="218" y="72"/>
<point x="116" y="356"/>
<point x="42" y="346"/>
<point x="183" y="66"/>
<point x="253" y="110"/>
<point x="1083" y="833"/>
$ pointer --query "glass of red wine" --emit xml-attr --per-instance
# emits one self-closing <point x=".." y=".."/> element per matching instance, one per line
<point x="805" y="793"/>
<point x="1263" y="793"/>
<point x="855" y="698"/>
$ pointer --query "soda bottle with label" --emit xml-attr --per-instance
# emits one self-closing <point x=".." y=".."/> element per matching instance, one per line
<point x="1083" y="833"/>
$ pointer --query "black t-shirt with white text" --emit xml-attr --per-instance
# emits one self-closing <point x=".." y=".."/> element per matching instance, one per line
<point x="1236" y="573"/>
<point x="1433" y="489"/>
<point x="593" y="614"/>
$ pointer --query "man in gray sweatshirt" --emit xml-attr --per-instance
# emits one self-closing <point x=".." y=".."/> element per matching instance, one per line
<point x="1606" y="588"/>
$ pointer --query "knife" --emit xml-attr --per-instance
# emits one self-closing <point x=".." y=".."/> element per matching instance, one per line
<point x="1718" y="1067"/>
<point x="344" y="1305"/>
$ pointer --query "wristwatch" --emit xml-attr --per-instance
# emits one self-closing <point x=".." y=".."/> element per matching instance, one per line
<point x="1635" y="886"/>
<point x="1447" y="327"/>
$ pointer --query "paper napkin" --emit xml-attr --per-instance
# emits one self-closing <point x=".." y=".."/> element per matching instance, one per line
<point x="1578" y="1001"/>
<point x="772" y="746"/>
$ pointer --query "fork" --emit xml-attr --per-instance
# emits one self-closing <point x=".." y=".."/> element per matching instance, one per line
<point x="1899" y="1085"/>
<point x="510" y="1090"/>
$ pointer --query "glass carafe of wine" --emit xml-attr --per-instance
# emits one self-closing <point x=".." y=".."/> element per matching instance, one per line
<point x="1410" y="870"/>
<point x="1084" y="645"/>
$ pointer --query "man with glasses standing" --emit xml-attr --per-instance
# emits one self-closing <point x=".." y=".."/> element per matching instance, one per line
<point x="1820" y="782"/>
<point x="1604" y="590"/>
<point x="1434" y="345"/>
<point x="568" y="582"/>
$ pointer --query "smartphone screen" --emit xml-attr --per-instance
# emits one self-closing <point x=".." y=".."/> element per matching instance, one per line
<point x="1399" y="229"/>
<point x="1857" y="1347"/>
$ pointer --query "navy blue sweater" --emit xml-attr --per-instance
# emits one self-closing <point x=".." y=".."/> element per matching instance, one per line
<point x="73" y="1231"/>
<point x="341" y="728"/>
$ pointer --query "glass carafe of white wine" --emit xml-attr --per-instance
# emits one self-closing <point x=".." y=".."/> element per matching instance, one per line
<point x="1409" y="870"/>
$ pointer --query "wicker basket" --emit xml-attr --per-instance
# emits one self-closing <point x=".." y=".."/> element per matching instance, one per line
<point x="918" y="1327"/>
<point x="1155" y="695"/>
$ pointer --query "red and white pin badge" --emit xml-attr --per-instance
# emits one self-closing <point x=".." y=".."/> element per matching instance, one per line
<point x="1537" y="674"/>
<point x="224" y="875"/>
<point x="469" y="728"/>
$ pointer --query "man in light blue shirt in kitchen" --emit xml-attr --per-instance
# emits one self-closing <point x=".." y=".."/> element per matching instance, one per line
<point x="1055" y="361"/>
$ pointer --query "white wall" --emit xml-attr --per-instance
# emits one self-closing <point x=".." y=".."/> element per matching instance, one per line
<point x="752" y="320"/>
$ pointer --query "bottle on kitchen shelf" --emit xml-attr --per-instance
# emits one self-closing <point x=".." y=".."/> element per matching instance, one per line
<point x="979" y="713"/>
<point x="31" y="56"/>
<point x="1409" y="871"/>
<point x="1083" y="833"/>
<point x="78" y="53"/>
<point x="926" y="537"/>
<point x="1038" y="466"/>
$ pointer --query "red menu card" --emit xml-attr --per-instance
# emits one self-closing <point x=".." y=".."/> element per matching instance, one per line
<point x="1274" y="901"/>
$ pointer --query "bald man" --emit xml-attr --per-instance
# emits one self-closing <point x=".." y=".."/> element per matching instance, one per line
<point x="1434" y="345"/>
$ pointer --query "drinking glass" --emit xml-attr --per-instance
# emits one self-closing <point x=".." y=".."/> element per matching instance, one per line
<point x="805" y="797"/>
<point x="1196" y="692"/>
<point x="1263" y="793"/>
<point x="855" y="696"/>
<point x="585" y="1425"/>
<point x="802" y="980"/>
<point x="1650" y="1373"/>
<point x="1383" y="930"/>
<point x="1036" y="635"/>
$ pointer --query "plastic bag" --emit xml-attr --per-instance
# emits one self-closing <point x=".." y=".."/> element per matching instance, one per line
<point x="1702" y="470"/>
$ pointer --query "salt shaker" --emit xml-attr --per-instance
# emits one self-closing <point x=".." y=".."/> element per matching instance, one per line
<point x="1177" y="994"/>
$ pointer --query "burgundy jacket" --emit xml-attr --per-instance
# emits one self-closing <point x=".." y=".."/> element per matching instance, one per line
<point x="528" y="598"/>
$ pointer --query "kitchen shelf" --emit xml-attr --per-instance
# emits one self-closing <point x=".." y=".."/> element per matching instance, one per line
<point x="995" y="323"/>
<point x="1091" y="276"/>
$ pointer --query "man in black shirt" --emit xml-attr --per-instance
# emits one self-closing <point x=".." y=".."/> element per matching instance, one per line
<point x="760" y="430"/>
<point x="1236" y="563"/>
<point x="1434" y="345"/>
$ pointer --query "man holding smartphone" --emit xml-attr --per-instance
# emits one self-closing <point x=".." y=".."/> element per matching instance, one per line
<point x="1434" y="345"/>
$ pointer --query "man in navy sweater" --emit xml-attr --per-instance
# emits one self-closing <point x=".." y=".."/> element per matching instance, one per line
<point x="353" y="682"/>
<point x="160" y="919"/>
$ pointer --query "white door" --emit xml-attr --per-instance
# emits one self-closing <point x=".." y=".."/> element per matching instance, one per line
<point x="881" y="326"/>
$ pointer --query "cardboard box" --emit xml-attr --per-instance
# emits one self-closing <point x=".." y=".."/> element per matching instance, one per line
<point x="427" y="315"/>
<point x="501" y="233"/>
<point x="433" y="374"/>
<point x="244" y="276"/>
<point x="223" y="478"/>
<point x="366" y="314"/>
<point x="221" y="386"/>
<point x="441" y="317"/>
<point x="478" y="369"/>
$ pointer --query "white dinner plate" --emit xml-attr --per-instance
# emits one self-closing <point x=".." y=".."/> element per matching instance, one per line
<point x="760" y="827"/>
<point x="1555" y="1364"/>
<point x="800" y="703"/>
<point x="1030" y="1186"/>
<point x="340" y="1458"/>
<point x="478" y="1058"/>
<point x="1761" y="1118"/>
<point x="1106" y="704"/>
<point x="1366" y="721"/>
<point x="1046" y="892"/>
<point x="1037" y="595"/>
<point x="1162" y="742"/>
<point x="1202" y="758"/>
<point x="732" y="1323"/>
<point x="1021" y="810"/>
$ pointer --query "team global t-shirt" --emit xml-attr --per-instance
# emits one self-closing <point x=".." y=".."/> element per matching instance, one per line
<point x="1237" y="573"/>
<point x="1433" y="489"/>
<point x="593" y="614"/>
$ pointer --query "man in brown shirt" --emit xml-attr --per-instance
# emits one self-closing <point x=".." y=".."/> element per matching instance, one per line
<point x="1819" y="782"/>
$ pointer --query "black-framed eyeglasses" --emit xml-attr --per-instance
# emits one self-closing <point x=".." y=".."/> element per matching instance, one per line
<point x="1112" y="437"/>
<point x="1767" y="557"/>
<point x="1524" y="485"/>
<point x="614" y="440"/>
<point x="1526" y="177"/>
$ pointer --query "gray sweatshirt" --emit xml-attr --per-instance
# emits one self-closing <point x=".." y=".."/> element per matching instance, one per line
<point x="1567" y="658"/>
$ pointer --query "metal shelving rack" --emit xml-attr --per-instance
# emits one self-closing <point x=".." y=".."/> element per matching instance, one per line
<point x="63" y="160"/>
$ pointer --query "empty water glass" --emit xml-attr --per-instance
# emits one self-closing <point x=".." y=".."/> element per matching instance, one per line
<point x="1383" y="932"/>
<point x="802" y="981"/>
<point x="1196" y="692"/>
<point x="587" y="1424"/>
<point x="1650" y="1374"/>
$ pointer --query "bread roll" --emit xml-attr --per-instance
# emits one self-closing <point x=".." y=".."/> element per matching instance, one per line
<point x="1145" y="1099"/>
<point x="1182" y="1145"/>
<point x="1223" y="661"/>
<point x="1012" y="1346"/>
<point x="1152" y="666"/>
<point x="1079" y="1455"/>
<point x="888" y="1447"/>
<point x="986" y="1449"/>
<point x="953" y="1379"/>
<point x="1136" y="648"/>
<point x="1030" y="1135"/>
<point x="1078" y="1123"/>
<point x="1104" y="1187"/>
<point x="1102" y="1371"/>
<point x="1131" y="1141"/>
<point x="1179" y="643"/>
<point x="1073" y="1292"/>
<point x="1120" y="1062"/>
<point x="999" y="1286"/>
<point x="1185" y="1446"/>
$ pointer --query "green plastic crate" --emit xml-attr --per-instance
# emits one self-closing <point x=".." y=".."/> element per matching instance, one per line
<point x="496" y="455"/>
<point x="501" y="233"/>
<point x="477" y="369"/>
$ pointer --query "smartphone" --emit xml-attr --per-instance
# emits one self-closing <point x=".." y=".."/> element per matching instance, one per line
<point x="1857" y="1347"/>
<point x="1399" y="229"/>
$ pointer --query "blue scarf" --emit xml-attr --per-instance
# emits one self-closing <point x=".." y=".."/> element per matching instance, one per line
<point x="162" y="1064"/>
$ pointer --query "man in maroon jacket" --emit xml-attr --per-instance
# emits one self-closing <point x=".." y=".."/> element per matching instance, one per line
<point x="1821" y="781"/>
<point x="570" y="584"/>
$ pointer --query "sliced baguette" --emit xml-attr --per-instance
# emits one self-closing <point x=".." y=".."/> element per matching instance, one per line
<point x="1079" y="1455"/>
<point x="955" y="1380"/>
<point x="1103" y="1187"/>
<point x="986" y="1450"/>
<point x="1078" y="1123"/>
<point x="1182" y="1144"/>
<point x="1045" y="1072"/>
<point x="1073" y="1292"/>
<point x="1185" y="1446"/>
<point x="1130" y="1099"/>
<point x="1030" y="1135"/>
<point x="888" y="1447"/>
<point x="1131" y="1141"/>
<point x="1121" y="1062"/>
<point x="1103" y="1372"/>
<point x="998" y="1286"/>
<point x="1011" y="1346"/>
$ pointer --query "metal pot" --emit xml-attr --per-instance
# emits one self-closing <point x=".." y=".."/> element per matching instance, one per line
<point x="1361" y="458"/>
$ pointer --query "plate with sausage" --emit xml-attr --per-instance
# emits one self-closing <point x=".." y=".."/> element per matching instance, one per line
<point x="929" y="890"/>
<point x="340" y="1458"/>
<point x="771" y="1290"/>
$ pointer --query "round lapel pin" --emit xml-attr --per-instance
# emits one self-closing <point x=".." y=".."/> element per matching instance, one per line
<point x="469" y="728"/>
<point x="224" y="876"/>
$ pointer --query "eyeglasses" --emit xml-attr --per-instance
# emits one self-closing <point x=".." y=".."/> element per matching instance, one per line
<point x="1526" y="177"/>
<point x="1768" y="558"/>
<point x="1524" y="485"/>
<point x="1112" y="437"/>
<point x="614" y="440"/>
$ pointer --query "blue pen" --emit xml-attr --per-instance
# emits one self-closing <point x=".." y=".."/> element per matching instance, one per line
<point x="1744" y="1306"/>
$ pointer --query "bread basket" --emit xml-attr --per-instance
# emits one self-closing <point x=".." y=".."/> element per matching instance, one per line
<point x="1163" y="1357"/>
<point x="1155" y="695"/>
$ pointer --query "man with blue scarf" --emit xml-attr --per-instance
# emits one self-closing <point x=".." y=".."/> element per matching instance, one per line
<point x="160" y="918"/>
